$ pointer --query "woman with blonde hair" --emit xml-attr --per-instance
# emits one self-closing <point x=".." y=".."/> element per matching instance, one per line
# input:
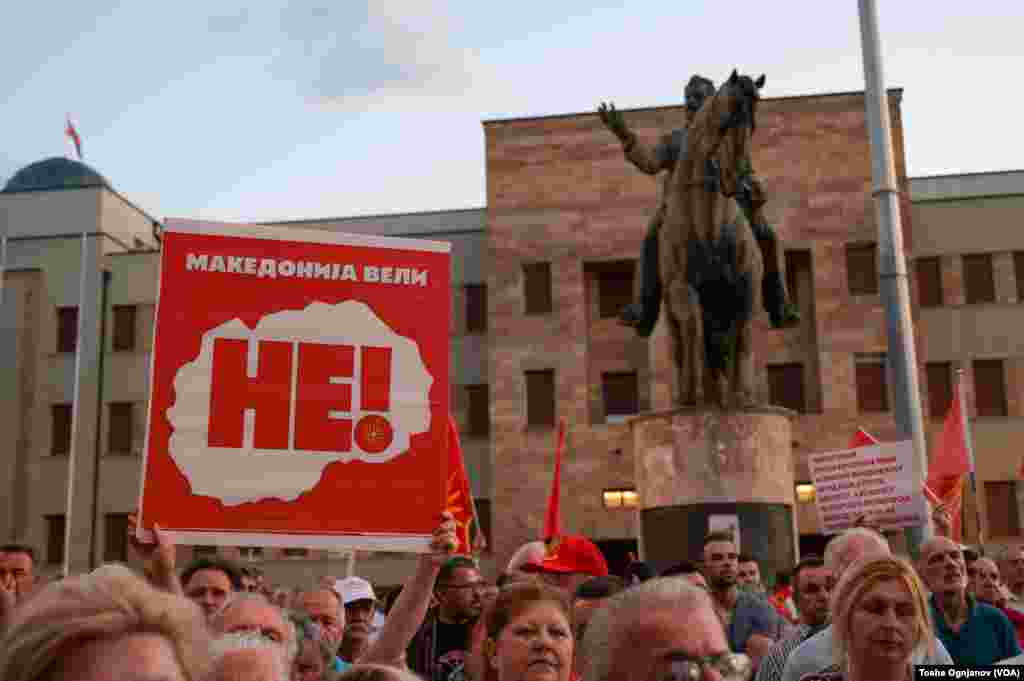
<point x="880" y="618"/>
<point x="109" y="624"/>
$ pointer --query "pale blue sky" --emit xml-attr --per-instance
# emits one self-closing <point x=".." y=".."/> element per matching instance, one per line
<point x="316" y="108"/>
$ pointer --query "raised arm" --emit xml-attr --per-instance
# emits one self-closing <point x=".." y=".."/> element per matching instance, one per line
<point x="647" y="160"/>
<point x="407" y="615"/>
<point x="157" y="557"/>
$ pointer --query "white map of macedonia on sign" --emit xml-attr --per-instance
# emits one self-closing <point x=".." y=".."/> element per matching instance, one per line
<point x="237" y="476"/>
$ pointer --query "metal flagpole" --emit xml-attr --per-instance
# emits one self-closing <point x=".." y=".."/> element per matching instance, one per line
<point x="894" y="287"/>
<point x="76" y="403"/>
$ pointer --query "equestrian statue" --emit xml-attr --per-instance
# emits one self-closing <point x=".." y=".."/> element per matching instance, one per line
<point x="717" y="258"/>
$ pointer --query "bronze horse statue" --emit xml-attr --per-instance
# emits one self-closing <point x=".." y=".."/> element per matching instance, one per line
<point x="710" y="263"/>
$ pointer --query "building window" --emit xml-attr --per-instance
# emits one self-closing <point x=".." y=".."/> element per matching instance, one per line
<point x="1003" y="514"/>
<point x="798" y="274"/>
<point x="979" y="280"/>
<point x="537" y="288"/>
<point x="621" y="395"/>
<point x="929" y="281"/>
<point x="476" y="308"/>
<point x="115" y="537"/>
<point x="872" y="392"/>
<point x="614" y="288"/>
<point x="295" y="553"/>
<point x="121" y="428"/>
<point x="940" y="388"/>
<point x="60" y="429"/>
<point x="540" y="398"/>
<point x="862" y="269"/>
<point x="204" y="551"/>
<point x="124" y="328"/>
<point x="67" y="329"/>
<point x="250" y="552"/>
<point x="786" y="386"/>
<point x="620" y="498"/>
<point x="479" y="410"/>
<point x="55" y="528"/>
<point x="1018" y="274"/>
<point x="989" y="387"/>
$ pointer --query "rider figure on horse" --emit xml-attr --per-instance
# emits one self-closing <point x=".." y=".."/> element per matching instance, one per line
<point x="643" y="314"/>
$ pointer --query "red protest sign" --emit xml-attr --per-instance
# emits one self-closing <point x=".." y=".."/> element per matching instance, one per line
<point x="299" y="392"/>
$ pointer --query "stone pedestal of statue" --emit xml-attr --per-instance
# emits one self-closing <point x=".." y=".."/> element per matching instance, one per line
<point x="692" y="464"/>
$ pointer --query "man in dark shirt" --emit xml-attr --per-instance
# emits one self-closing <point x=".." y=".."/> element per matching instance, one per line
<point x="438" y="651"/>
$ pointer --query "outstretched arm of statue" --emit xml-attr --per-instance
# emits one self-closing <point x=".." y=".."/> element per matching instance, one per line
<point x="646" y="160"/>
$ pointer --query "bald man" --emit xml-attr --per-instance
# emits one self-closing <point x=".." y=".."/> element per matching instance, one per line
<point x="974" y="633"/>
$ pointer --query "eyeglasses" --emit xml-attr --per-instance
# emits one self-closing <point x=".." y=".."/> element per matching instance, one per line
<point x="731" y="667"/>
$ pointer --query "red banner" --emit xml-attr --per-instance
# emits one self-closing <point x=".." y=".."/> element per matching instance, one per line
<point x="299" y="392"/>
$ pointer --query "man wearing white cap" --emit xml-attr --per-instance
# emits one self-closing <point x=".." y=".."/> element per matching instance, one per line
<point x="360" y="602"/>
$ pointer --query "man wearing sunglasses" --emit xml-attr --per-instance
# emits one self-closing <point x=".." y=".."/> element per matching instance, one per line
<point x="813" y="584"/>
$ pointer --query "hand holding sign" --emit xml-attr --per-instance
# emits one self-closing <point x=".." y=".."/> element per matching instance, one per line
<point x="443" y="541"/>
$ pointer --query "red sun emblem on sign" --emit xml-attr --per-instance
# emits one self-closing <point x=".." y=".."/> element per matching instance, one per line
<point x="374" y="434"/>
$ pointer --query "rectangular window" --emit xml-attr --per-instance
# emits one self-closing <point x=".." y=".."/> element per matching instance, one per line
<point x="940" y="388"/>
<point x="204" y="551"/>
<point x="1018" y="274"/>
<point x="929" y="281"/>
<point x="786" y="386"/>
<point x="55" y="539"/>
<point x="872" y="391"/>
<point x="124" y="328"/>
<point x="540" y="398"/>
<point x="121" y="428"/>
<point x="67" y="329"/>
<point x="60" y="429"/>
<point x="614" y="288"/>
<point x="537" y="288"/>
<point x="989" y="387"/>
<point x="621" y="395"/>
<point x="979" y="279"/>
<point x="476" y="308"/>
<point x="295" y="553"/>
<point x="479" y="410"/>
<point x="1003" y="514"/>
<point x="862" y="269"/>
<point x="250" y="552"/>
<point x="798" y="274"/>
<point x="115" y="537"/>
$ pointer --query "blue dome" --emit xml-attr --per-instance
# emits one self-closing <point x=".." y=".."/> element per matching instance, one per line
<point x="55" y="173"/>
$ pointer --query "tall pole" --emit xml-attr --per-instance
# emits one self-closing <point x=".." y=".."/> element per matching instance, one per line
<point x="894" y="288"/>
<point x="76" y="405"/>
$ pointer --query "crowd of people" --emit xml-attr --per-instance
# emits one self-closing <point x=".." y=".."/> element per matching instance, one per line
<point x="857" y="613"/>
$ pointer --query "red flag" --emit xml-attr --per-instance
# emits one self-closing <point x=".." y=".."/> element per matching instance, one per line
<point x="553" y="519"/>
<point x="950" y="462"/>
<point x="862" y="438"/>
<point x="73" y="134"/>
<point x="459" y="497"/>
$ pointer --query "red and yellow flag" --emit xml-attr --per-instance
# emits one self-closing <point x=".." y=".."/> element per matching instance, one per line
<point x="949" y="464"/>
<point x="72" y="134"/>
<point x="459" y="495"/>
